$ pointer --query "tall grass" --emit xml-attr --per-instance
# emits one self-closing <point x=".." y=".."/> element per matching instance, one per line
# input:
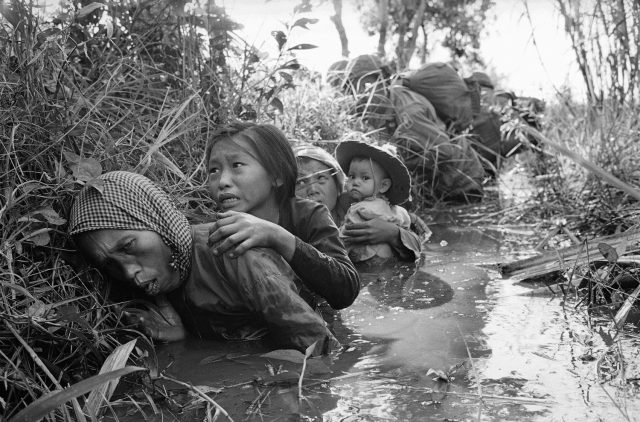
<point x="607" y="138"/>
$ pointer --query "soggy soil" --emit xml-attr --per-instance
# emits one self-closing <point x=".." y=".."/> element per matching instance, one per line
<point x="452" y="341"/>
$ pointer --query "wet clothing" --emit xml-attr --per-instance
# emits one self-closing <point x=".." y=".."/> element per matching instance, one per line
<point x="410" y="239"/>
<point x="239" y="298"/>
<point x="365" y="210"/>
<point x="233" y="298"/>
<point x="320" y="259"/>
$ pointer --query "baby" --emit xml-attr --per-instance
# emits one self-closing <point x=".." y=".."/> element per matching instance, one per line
<point x="378" y="182"/>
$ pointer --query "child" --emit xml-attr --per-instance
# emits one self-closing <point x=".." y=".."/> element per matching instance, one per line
<point x="379" y="182"/>
<point x="252" y="178"/>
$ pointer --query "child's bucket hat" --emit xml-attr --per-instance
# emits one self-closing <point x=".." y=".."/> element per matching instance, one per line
<point x="400" y="190"/>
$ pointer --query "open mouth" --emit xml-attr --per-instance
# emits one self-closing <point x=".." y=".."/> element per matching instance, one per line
<point x="152" y="288"/>
<point x="227" y="200"/>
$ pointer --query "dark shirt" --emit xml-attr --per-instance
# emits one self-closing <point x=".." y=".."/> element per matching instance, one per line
<point x="320" y="259"/>
<point x="247" y="297"/>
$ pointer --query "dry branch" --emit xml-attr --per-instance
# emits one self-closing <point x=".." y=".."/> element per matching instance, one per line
<point x="562" y="259"/>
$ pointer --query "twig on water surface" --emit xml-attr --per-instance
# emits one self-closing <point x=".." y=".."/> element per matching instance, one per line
<point x="198" y="392"/>
<point x="256" y="404"/>
<point x="475" y="372"/>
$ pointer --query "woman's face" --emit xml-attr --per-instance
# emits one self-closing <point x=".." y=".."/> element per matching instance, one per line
<point x="137" y="257"/>
<point x="316" y="182"/>
<point x="237" y="181"/>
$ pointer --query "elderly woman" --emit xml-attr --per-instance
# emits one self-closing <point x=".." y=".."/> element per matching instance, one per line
<point x="132" y="232"/>
<point x="321" y="179"/>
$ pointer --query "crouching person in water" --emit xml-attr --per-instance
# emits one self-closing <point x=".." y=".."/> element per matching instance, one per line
<point x="321" y="179"/>
<point x="132" y="232"/>
<point x="377" y="182"/>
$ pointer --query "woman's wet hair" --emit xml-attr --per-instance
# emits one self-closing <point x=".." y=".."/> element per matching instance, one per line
<point x="272" y="149"/>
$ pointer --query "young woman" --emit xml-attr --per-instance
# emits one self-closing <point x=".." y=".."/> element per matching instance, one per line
<point x="252" y="177"/>
<point x="130" y="229"/>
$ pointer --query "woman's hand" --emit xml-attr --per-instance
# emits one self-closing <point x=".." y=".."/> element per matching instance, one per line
<point x="374" y="230"/>
<point x="162" y="323"/>
<point x="236" y="232"/>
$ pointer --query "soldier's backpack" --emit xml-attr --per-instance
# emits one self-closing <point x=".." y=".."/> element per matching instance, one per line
<point x="446" y="90"/>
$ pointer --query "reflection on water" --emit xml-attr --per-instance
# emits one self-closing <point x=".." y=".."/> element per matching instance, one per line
<point x="427" y="347"/>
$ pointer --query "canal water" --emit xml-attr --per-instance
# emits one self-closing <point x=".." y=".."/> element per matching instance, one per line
<point x="450" y="341"/>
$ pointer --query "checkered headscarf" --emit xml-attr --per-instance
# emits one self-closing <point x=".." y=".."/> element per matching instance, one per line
<point x="129" y="201"/>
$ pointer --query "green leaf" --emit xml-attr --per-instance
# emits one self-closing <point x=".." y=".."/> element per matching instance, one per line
<point x="72" y="157"/>
<point x="46" y="404"/>
<point x="302" y="47"/>
<point x="88" y="9"/>
<point x="303" y="22"/>
<point x="291" y="64"/>
<point x="280" y="37"/>
<point x="290" y="355"/>
<point x="39" y="237"/>
<point x="50" y="216"/>
<point x="86" y="169"/>
<point x="275" y="102"/>
<point x="286" y="77"/>
<point x="608" y="252"/>
<point x="310" y="349"/>
<point x="116" y="360"/>
<point x="97" y="184"/>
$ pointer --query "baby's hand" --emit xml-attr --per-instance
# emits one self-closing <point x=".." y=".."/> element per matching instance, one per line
<point x="366" y="214"/>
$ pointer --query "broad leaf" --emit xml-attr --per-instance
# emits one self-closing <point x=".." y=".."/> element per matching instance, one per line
<point x="291" y="64"/>
<point x="39" y="237"/>
<point x="310" y="349"/>
<point x="46" y="404"/>
<point x="50" y="216"/>
<point x="608" y="252"/>
<point x="276" y="103"/>
<point x="280" y="37"/>
<point x="72" y="157"/>
<point x="88" y="9"/>
<point x="290" y="355"/>
<point x="303" y="22"/>
<point x="116" y="360"/>
<point x="86" y="169"/>
<point x="286" y="77"/>
<point x="97" y="184"/>
<point x="302" y="47"/>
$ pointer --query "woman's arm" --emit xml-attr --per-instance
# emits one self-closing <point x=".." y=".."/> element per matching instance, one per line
<point x="265" y="282"/>
<point x="234" y="233"/>
<point x="320" y="258"/>
<point x="161" y="322"/>
<point x="310" y="243"/>
<point x="371" y="229"/>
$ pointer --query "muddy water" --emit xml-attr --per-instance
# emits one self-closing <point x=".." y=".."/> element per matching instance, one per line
<point x="454" y="341"/>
